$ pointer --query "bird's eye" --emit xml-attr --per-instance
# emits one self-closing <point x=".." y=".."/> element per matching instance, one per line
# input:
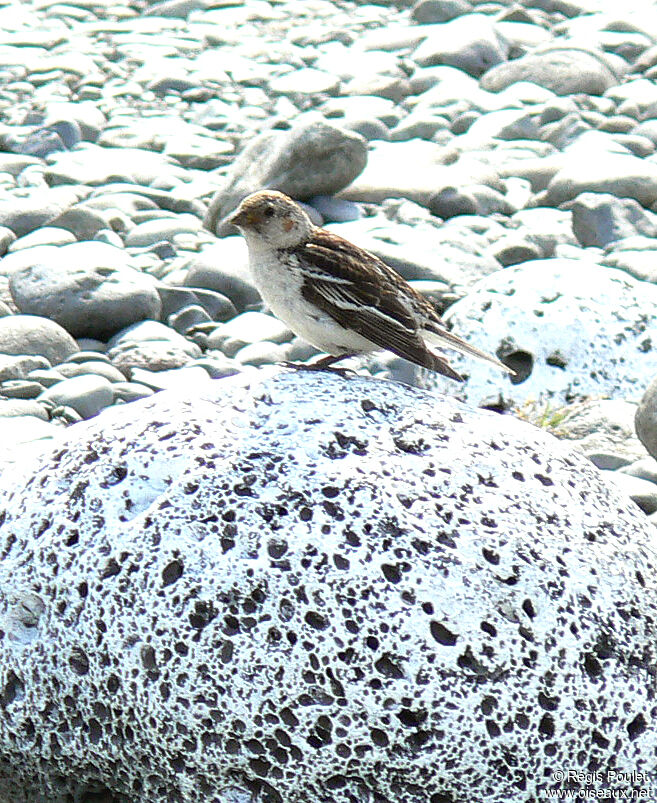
<point x="269" y="211"/>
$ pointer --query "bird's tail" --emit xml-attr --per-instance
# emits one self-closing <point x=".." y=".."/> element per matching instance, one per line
<point x="442" y="337"/>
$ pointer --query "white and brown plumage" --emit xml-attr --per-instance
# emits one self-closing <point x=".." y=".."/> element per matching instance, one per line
<point x="335" y="295"/>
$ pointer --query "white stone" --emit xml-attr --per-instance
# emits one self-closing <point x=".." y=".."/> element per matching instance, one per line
<point x="332" y="586"/>
<point x="576" y="329"/>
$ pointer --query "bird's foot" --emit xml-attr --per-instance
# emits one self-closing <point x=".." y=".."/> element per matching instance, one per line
<point x="323" y="364"/>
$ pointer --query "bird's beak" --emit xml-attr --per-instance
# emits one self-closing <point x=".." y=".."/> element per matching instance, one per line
<point x="242" y="217"/>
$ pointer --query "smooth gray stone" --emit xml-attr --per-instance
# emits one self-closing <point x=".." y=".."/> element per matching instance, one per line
<point x="187" y="378"/>
<point x="415" y="170"/>
<point x="95" y="367"/>
<point x="26" y="212"/>
<point x="45" y="235"/>
<point x="152" y="346"/>
<point x="262" y="353"/>
<point x="217" y="365"/>
<point x="34" y="335"/>
<point x="88" y="354"/>
<point x="87" y="395"/>
<point x="94" y="165"/>
<point x="217" y="306"/>
<point x="644" y="469"/>
<point x="563" y="70"/>
<point x="335" y="209"/>
<point x="20" y="389"/>
<point x="7" y="239"/>
<point x="162" y="229"/>
<point x="600" y="219"/>
<point x="428" y="11"/>
<point x="305" y="81"/>
<point x="46" y="377"/>
<point x="642" y="492"/>
<point x="18" y="407"/>
<point x="645" y="420"/>
<point x="516" y="249"/>
<point x="187" y="317"/>
<point x="80" y="288"/>
<point x="88" y="118"/>
<point x="224" y="268"/>
<point x="594" y="170"/>
<point x="314" y="157"/>
<point x="128" y="193"/>
<point x="131" y="391"/>
<point x="247" y="328"/>
<point x="81" y="221"/>
<point x="470" y="43"/>
<point x="639" y="263"/>
<point x="19" y="367"/>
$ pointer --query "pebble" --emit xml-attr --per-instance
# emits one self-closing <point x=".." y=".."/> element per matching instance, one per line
<point x="563" y="70"/>
<point x="646" y="418"/>
<point x="224" y="268"/>
<point x="88" y="288"/>
<point x="600" y="219"/>
<point x="313" y="157"/>
<point x="87" y="394"/>
<point x="35" y="335"/>
<point x="248" y="328"/>
<point x="642" y="492"/>
<point x="152" y="346"/>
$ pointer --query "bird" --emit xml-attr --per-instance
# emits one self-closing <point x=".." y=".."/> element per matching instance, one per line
<point x="337" y="296"/>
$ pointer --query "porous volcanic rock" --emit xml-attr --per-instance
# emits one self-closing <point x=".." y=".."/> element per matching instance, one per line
<point x="298" y="587"/>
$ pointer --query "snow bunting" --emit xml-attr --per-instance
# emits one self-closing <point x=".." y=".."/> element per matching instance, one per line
<point x="341" y="299"/>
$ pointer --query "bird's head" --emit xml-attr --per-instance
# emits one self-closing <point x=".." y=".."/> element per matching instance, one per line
<point x="273" y="218"/>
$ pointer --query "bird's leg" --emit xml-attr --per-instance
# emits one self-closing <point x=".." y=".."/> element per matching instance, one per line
<point x="323" y="364"/>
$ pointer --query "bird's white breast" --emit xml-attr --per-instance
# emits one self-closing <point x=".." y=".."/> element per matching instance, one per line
<point x="279" y="280"/>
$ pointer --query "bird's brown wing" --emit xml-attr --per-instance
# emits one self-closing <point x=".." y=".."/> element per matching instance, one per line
<point x="363" y="294"/>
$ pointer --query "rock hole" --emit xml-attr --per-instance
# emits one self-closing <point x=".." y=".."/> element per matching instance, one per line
<point x="14" y="689"/>
<point x="78" y="661"/>
<point x="487" y="627"/>
<point x="379" y="737"/>
<point x="528" y="608"/>
<point x="95" y="731"/>
<point x="391" y="573"/>
<point x="172" y="572"/>
<point x="636" y="727"/>
<point x="411" y="719"/>
<point x="316" y="620"/>
<point x="388" y="668"/>
<point x="548" y="703"/>
<point x="546" y="726"/>
<point x="493" y="728"/>
<point x="490" y="556"/>
<point x="557" y="360"/>
<point x="204" y="613"/>
<point x="521" y="363"/>
<point x="442" y="635"/>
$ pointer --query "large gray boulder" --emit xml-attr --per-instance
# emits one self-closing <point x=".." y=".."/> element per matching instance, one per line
<point x="298" y="587"/>
<point x="313" y="157"/>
